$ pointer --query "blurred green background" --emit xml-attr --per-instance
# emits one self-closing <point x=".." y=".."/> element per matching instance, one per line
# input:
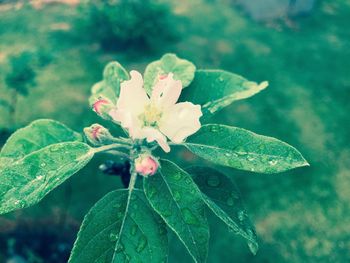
<point x="51" y="52"/>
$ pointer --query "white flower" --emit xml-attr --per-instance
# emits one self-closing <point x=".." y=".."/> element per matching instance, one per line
<point x="157" y="117"/>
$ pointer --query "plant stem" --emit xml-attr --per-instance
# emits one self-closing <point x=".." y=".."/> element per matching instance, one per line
<point x="110" y="147"/>
<point x="122" y="140"/>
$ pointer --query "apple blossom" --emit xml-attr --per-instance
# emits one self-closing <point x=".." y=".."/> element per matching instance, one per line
<point x="157" y="117"/>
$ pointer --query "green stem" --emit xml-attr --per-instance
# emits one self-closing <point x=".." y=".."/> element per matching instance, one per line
<point x="122" y="140"/>
<point x="110" y="147"/>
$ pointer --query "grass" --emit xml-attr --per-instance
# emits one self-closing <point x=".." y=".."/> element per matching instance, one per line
<point x="300" y="215"/>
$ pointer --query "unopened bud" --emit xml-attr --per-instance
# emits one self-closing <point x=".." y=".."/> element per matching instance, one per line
<point x="146" y="165"/>
<point x="102" y="107"/>
<point x="97" y="134"/>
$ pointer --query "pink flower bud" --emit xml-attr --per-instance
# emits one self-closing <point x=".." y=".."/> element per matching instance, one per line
<point x="146" y="165"/>
<point x="98" y="105"/>
<point x="102" y="107"/>
<point x="97" y="134"/>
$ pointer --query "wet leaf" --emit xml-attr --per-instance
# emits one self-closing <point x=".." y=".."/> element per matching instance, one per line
<point x="25" y="181"/>
<point x="244" y="150"/>
<point x="37" y="135"/>
<point x="222" y="196"/>
<point x="174" y="195"/>
<point x="113" y="231"/>
<point x="216" y="89"/>
<point x="182" y="69"/>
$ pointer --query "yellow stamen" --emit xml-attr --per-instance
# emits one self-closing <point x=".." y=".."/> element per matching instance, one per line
<point x="151" y="116"/>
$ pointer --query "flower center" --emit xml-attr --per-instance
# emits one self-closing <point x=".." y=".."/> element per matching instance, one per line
<point x="151" y="116"/>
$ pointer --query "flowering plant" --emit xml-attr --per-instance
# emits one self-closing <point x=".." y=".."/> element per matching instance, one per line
<point x="168" y="107"/>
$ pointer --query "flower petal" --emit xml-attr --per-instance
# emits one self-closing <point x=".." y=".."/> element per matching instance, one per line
<point x="133" y="97"/>
<point x="181" y="121"/>
<point x="167" y="91"/>
<point x="152" y="134"/>
<point x="128" y="121"/>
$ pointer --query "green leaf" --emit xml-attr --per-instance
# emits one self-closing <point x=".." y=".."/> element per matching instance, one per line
<point x="114" y="232"/>
<point x="35" y="136"/>
<point x="216" y="89"/>
<point x="25" y="181"/>
<point x="182" y="69"/>
<point x="222" y="196"/>
<point x="174" y="195"/>
<point x="113" y="75"/>
<point x="244" y="150"/>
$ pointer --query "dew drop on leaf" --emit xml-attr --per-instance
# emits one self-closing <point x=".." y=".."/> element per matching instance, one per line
<point x="273" y="162"/>
<point x="120" y="247"/>
<point x="177" y="196"/>
<point x="241" y="215"/>
<point x="113" y="237"/>
<point x="213" y="181"/>
<point x="117" y="205"/>
<point x="230" y="201"/>
<point x="189" y="217"/>
<point x="177" y="176"/>
<point x="142" y="243"/>
<point x="133" y="230"/>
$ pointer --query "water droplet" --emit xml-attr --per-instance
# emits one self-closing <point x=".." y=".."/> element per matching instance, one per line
<point x="213" y="180"/>
<point x="177" y="196"/>
<point x="241" y="215"/>
<point x="120" y="247"/>
<point x="177" y="176"/>
<point x="228" y="154"/>
<point x="142" y="243"/>
<point x="133" y="230"/>
<point x="113" y="237"/>
<point x="221" y="79"/>
<point x="117" y="205"/>
<point x="39" y="177"/>
<point x="54" y="148"/>
<point x="135" y="206"/>
<point x="189" y="217"/>
<point x="42" y="164"/>
<point x="214" y="128"/>
<point x="250" y="158"/>
<point x="230" y="201"/>
<point x="273" y="162"/>
<point x="166" y="212"/>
